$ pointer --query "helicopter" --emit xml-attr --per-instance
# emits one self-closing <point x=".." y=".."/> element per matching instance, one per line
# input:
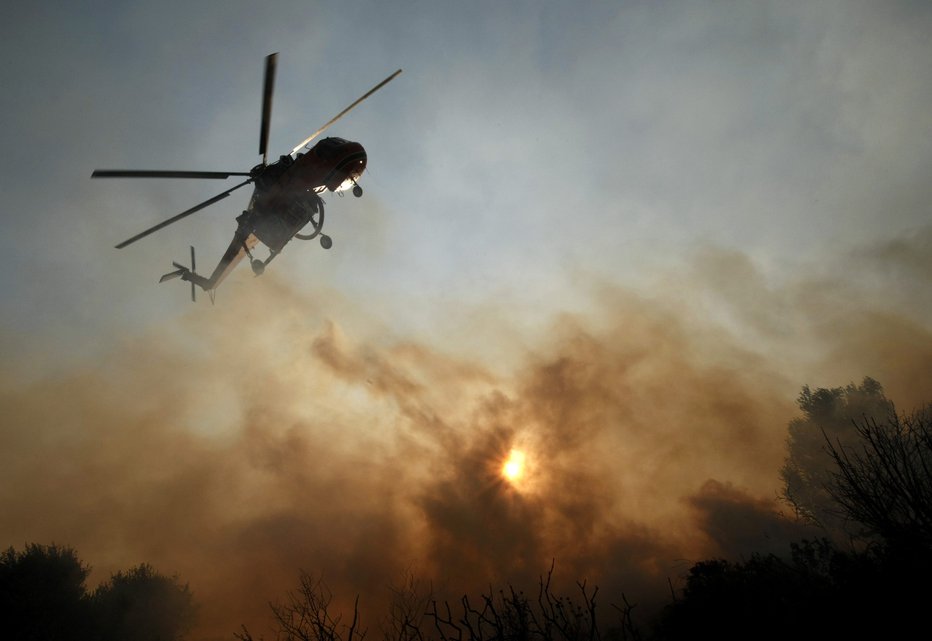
<point x="286" y="194"/>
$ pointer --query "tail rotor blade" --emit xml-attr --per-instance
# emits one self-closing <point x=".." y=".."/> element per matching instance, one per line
<point x="268" y="87"/>
<point x="193" y="271"/>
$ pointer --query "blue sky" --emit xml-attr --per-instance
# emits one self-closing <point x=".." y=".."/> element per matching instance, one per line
<point x="631" y="228"/>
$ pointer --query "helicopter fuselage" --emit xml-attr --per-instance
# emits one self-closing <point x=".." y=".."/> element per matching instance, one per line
<point x="286" y="195"/>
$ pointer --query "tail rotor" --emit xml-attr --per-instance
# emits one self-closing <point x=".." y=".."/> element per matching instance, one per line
<point x="185" y="274"/>
<point x="193" y="271"/>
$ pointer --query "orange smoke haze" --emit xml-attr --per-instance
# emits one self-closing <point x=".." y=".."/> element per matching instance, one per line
<point x="236" y="448"/>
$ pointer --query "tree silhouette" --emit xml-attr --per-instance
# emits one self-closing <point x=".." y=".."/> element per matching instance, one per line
<point x="408" y="610"/>
<point x="808" y="469"/>
<point x="819" y="592"/>
<point x="504" y="615"/>
<point x="142" y="605"/>
<point x="43" y="598"/>
<point x="853" y="466"/>
<point x="884" y="482"/>
<point x="42" y="594"/>
<point x="510" y="615"/>
<point x="305" y="615"/>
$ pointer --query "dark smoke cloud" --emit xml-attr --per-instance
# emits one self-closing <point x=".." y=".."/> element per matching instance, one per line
<point x="741" y="525"/>
<point x="236" y="449"/>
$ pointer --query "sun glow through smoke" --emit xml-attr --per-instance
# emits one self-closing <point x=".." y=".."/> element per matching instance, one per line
<point x="513" y="468"/>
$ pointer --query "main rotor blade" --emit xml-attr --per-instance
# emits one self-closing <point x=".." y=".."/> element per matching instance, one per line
<point x="148" y="173"/>
<point x="186" y="212"/>
<point x="268" y="87"/>
<point x="344" y="112"/>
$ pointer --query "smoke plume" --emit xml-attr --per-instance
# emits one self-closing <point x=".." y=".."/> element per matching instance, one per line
<point x="237" y="447"/>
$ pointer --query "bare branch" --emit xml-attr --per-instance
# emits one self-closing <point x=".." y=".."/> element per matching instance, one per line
<point x="885" y="484"/>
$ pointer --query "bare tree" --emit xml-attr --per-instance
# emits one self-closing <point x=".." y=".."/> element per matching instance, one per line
<point x="507" y="615"/>
<point x="408" y="610"/>
<point x="885" y="482"/>
<point x="512" y="616"/>
<point x="305" y="616"/>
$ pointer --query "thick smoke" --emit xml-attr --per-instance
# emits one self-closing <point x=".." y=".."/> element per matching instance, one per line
<point x="237" y="449"/>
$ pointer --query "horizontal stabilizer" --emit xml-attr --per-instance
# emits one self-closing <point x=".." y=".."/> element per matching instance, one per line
<point x="188" y="274"/>
<point x="174" y="274"/>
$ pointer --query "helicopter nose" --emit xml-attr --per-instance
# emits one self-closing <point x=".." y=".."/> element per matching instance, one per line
<point x="349" y="168"/>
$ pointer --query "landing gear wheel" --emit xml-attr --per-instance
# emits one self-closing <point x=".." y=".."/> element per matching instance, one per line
<point x="257" y="267"/>
<point x="357" y="191"/>
<point x="316" y="222"/>
<point x="325" y="241"/>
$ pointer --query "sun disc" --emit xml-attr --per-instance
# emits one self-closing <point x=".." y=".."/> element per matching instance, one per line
<point x="513" y="467"/>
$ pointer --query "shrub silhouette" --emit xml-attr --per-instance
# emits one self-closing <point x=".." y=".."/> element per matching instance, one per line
<point x="43" y="597"/>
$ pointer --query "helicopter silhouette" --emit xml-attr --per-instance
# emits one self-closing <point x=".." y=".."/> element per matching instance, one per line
<point x="286" y="194"/>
